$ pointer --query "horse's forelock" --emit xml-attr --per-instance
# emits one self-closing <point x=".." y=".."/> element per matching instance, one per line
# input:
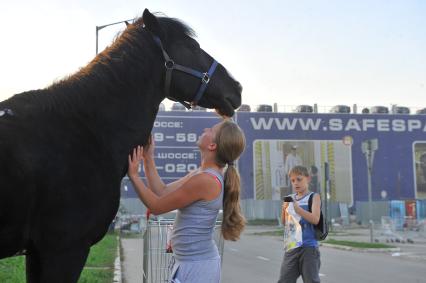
<point x="176" y="27"/>
<point x="170" y="25"/>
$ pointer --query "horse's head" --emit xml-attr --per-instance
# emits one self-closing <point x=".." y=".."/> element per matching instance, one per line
<point x="191" y="74"/>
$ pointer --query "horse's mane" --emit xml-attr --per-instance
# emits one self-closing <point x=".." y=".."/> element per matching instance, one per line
<point x="117" y="69"/>
<point x="125" y="51"/>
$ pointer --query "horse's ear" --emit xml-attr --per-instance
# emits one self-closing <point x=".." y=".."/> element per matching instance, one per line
<point x="151" y="23"/>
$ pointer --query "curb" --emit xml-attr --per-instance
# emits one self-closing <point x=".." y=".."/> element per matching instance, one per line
<point x="366" y="250"/>
<point x="117" y="264"/>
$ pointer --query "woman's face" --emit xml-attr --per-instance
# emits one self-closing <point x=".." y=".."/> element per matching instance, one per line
<point x="300" y="183"/>
<point x="208" y="136"/>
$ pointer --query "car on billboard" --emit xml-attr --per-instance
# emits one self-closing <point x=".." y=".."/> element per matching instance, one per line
<point x="400" y="110"/>
<point x="244" y="108"/>
<point x="304" y="109"/>
<point x="421" y="111"/>
<point x="340" y="109"/>
<point x="379" y="110"/>
<point x="177" y="106"/>
<point x="199" y="108"/>
<point x="264" y="108"/>
<point x="161" y="107"/>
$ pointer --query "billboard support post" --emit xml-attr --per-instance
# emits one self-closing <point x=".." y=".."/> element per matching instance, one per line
<point x="326" y="190"/>
<point x="368" y="148"/>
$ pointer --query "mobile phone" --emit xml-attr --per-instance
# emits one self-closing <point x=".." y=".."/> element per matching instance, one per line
<point x="288" y="199"/>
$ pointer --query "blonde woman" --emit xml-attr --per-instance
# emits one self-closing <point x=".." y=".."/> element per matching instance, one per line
<point x="198" y="197"/>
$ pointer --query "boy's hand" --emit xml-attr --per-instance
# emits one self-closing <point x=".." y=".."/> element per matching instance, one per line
<point x="296" y="206"/>
<point x="284" y="206"/>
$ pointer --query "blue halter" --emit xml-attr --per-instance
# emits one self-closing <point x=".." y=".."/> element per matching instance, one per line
<point x="171" y="65"/>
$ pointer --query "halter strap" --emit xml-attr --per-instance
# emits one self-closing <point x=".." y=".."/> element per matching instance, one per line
<point x="170" y="65"/>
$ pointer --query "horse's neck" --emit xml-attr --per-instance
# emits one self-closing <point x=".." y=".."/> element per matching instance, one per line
<point x="115" y="101"/>
<point x="126" y="109"/>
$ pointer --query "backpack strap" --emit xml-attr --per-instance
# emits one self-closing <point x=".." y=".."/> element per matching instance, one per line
<point x="311" y="196"/>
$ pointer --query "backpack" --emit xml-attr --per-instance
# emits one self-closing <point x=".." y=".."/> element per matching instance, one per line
<point x="321" y="229"/>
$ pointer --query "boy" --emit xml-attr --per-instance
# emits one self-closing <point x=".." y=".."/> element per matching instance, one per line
<point x="302" y="256"/>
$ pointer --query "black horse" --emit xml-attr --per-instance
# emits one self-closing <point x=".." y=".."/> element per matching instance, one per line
<point x="63" y="149"/>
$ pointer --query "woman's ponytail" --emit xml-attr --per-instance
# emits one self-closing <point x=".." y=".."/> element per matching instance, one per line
<point x="233" y="220"/>
<point x="230" y="142"/>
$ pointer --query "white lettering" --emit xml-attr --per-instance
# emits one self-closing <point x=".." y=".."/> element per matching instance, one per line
<point x="414" y="125"/>
<point x="352" y="125"/>
<point x="383" y="125"/>
<point x="165" y="124"/>
<point x="367" y="123"/>
<point x="398" y="125"/>
<point x="261" y="123"/>
<point x="177" y="155"/>
<point x="335" y="125"/>
<point x="285" y="124"/>
<point x="310" y="125"/>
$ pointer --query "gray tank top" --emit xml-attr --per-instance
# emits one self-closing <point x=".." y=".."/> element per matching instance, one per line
<point x="192" y="237"/>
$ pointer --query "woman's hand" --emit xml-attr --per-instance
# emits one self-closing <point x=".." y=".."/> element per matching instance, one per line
<point x="148" y="150"/>
<point x="134" y="161"/>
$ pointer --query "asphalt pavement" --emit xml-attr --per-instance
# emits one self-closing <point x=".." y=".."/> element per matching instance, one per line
<point x="257" y="258"/>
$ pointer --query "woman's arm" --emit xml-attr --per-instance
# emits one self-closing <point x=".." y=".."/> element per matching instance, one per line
<point x="156" y="184"/>
<point x="194" y="188"/>
<point x="153" y="178"/>
<point x="198" y="187"/>
<point x="314" y="216"/>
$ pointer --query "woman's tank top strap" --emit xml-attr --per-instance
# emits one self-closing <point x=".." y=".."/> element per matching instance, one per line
<point x="216" y="174"/>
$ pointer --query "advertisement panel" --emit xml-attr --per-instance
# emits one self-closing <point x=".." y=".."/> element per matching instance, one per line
<point x="273" y="160"/>
<point x="277" y="141"/>
<point x="419" y="169"/>
<point x="335" y="139"/>
<point x="176" y="153"/>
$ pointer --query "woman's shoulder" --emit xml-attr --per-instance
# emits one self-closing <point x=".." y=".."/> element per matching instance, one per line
<point x="206" y="176"/>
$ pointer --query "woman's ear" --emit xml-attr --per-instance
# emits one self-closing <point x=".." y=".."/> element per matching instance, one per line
<point x="212" y="146"/>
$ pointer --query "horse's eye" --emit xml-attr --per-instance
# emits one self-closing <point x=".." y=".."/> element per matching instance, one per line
<point x="195" y="46"/>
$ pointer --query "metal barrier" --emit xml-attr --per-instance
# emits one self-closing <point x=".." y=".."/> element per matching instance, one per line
<point x="387" y="231"/>
<point x="156" y="253"/>
<point x="390" y="229"/>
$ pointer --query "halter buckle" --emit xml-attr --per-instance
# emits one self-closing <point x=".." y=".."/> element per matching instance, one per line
<point x="206" y="78"/>
<point x="169" y="64"/>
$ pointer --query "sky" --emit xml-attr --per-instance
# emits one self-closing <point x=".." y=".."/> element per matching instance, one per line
<point x="285" y="52"/>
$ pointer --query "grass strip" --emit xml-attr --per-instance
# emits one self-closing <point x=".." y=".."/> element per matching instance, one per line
<point x="361" y="245"/>
<point x="12" y="269"/>
<point x="267" y="222"/>
<point x="99" y="266"/>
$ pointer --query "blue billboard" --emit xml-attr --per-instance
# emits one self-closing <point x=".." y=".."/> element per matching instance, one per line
<point x="176" y="153"/>
<point x="330" y="145"/>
